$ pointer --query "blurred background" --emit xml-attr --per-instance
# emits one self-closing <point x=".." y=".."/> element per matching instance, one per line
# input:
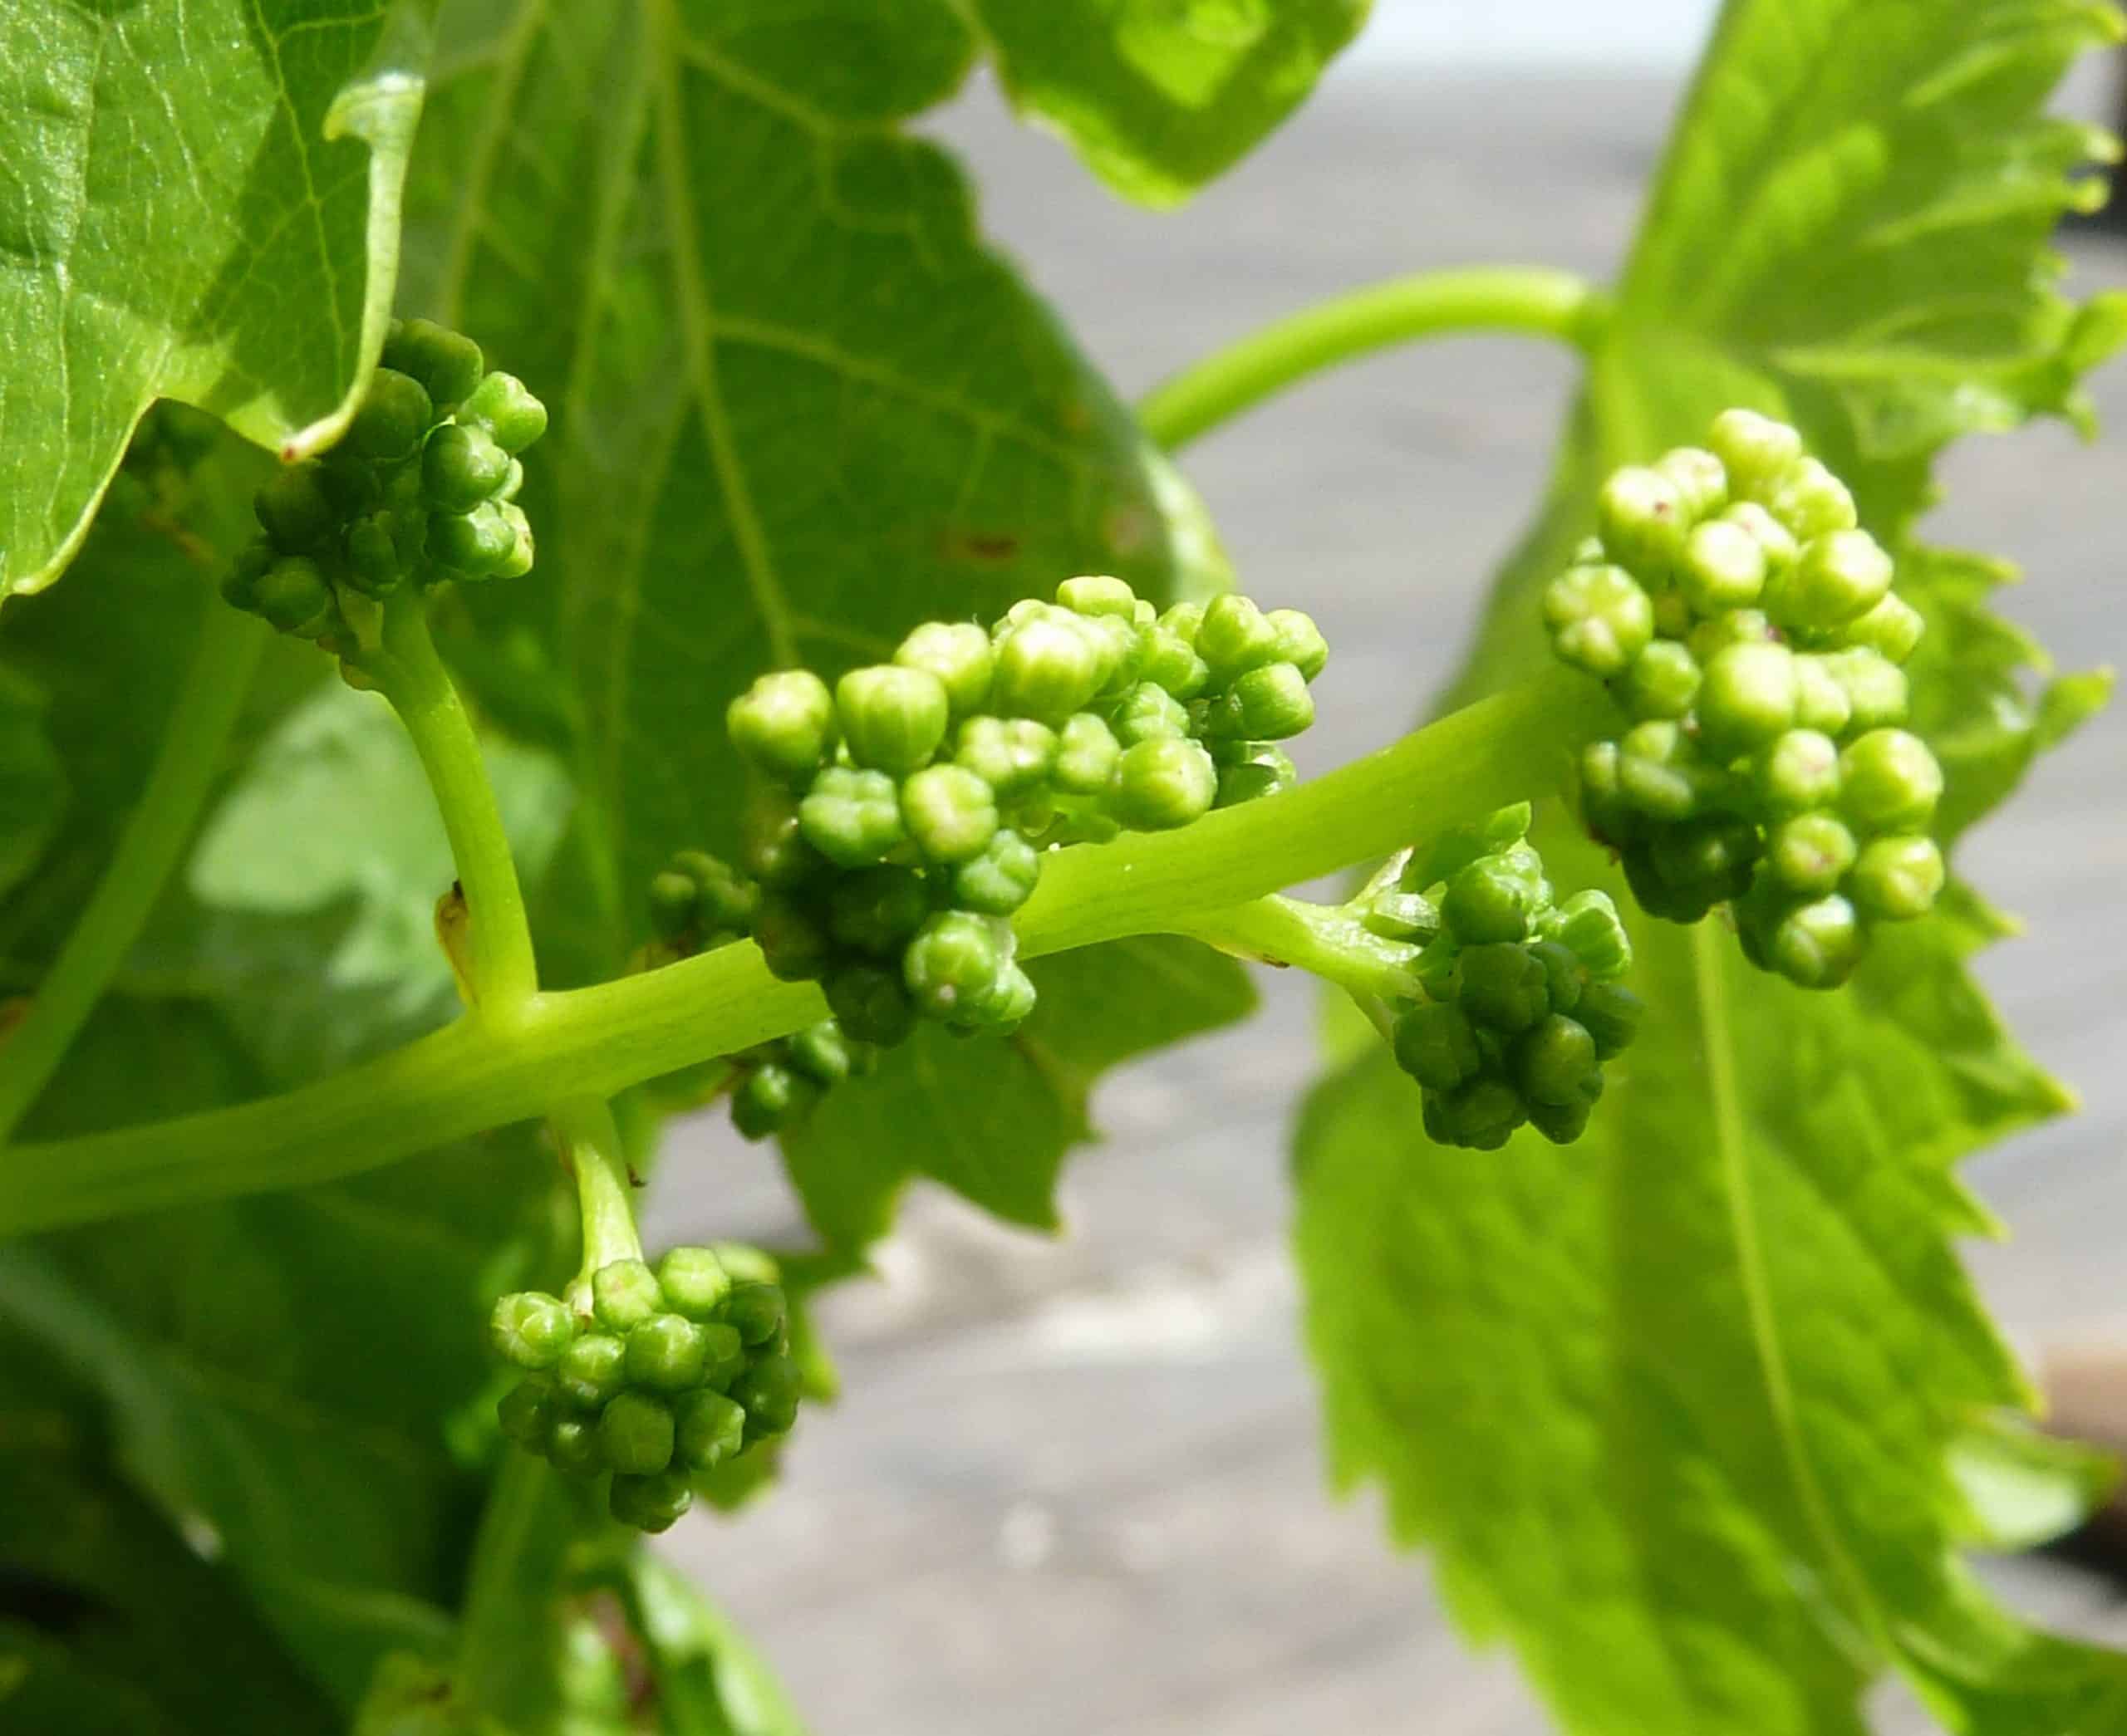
<point x="1076" y="1485"/>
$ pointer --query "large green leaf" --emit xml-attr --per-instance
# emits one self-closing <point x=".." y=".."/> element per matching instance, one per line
<point x="1160" y="95"/>
<point x="1677" y="1407"/>
<point x="202" y="203"/>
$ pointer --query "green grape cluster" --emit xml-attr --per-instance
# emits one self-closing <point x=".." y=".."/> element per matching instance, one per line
<point x="422" y="487"/>
<point x="1751" y="632"/>
<point x="1521" y="1003"/>
<point x="897" y="820"/>
<point x="700" y="902"/>
<point x="670" y="1373"/>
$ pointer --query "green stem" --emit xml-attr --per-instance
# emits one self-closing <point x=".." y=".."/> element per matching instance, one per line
<point x="1531" y="299"/>
<point x="598" y="1041"/>
<point x="1325" y="940"/>
<point x="503" y="973"/>
<point x="590" y="1147"/>
<point x="193" y="739"/>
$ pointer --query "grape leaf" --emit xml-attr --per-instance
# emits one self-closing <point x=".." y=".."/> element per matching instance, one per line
<point x="1677" y="1407"/>
<point x="1160" y="95"/>
<point x="212" y="216"/>
<point x="993" y="1118"/>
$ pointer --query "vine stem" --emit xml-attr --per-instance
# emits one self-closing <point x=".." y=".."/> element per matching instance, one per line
<point x="504" y="975"/>
<point x="209" y="703"/>
<point x="595" y="1042"/>
<point x="1514" y="298"/>
<point x="1325" y="940"/>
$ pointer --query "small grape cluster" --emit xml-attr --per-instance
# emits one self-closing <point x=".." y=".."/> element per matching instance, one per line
<point x="422" y="487"/>
<point x="897" y="820"/>
<point x="1521" y="1003"/>
<point x="700" y="902"/>
<point x="1751" y="632"/>
<point x="670" y="1373"/>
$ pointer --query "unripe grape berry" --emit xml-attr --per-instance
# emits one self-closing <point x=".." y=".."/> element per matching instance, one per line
<point x="950" y="813"/>
<point x="770" y="1098"/>
<point x="893" y="720"/>
<point x="650" y="1504"/>
<point x="1820" y="702"/>
<point x="692" y="1281"/>
<point x="1009" y="754"/>
<point x="1587" y="924"/>
<point x="1748" y="697"/>
<point x="1893" y="628"/>
<point x="393" y="415"/>
<point x="1047" y="668"/>
<point x="1436" y="1045"/>
<point x="1269" y="703"/>
<point x="953" y="957"/>
<point x="1494" y="898"/>
<point x="852" y="817"/>
<point x="448" y="363"/>
<point x="755" y="1311"/>
<point x="665" y="1353"/>
<point x="1097" y="595"/>
<point x="1875" y="687"/>
<point x="1553" y="1059"/>
<point x="819" y="1052"/>
<point x="1810" y="853"/>
<point x="1087" y="754"/>
<point x="1811" y="501"/>
<point x="784" y="723"/>
<point x="1185" y="621"/>
<point x="1121" y="647"/>
<point x="1611" y="813"/>
<point x="723" y="900"/>
<point x="1841" y="574"/>
<point x="1708" y="861"/>
<point x="1756" y="451"/>
<point x="1563" y="1123"/>
<point x="373" y="566"/>
<point x="624" y="1293"/>
<point x="1171" y="663"/>
<point x="870" y="1003"/>
<point x="1599" y="618"/>
<point x="726" y="1356"/>
<point x="795" y="943"/>
<point x="877" y="909"/>
<point x="1662" y="682"/>
<point x="294" y="594"/>
<point x="1659" y="772"/>
<point x="1009" y="998"/>
<point x="572" y="1444"/>
<point x="295" y="512"/>
<point x="1641" y="518"/>
<point x="1264" y="769"/>
<point x="1564" y="976"/>
<point x="511" y="413"/>
<point x="1817" y="944"/>
<point x="1775" y="541"/>
<point x="1503" y="987"/>
<point x="769" y="1390"/>
<point x="1147" y="713"/>
<point x="1001" y="878"/>
<point x="531" y="1329"/>
<point x="1300" y="642"/>
<point x="1235" y="638"/>
<point x="635" y="1433"/>
<point x="1797" y="771"/>
<point x="1723" y="568"/>
<point x="1898" y="879"/>
<point x="1710" y="637"/>
<point x="1697" y="475"/>
<point x="1163" y="784"/>
<point x="1481" y="1114"/>
<point x="523" y="1412"/>
<point x="708" y="1428"/>
<point x="958" y="654"/>
<point x="519" y="561"/>
<point x="1891" y="781"/>
<point x="1610" y="1013"/>
<point x="592" y="1370"/>
<point x="473" y="544"/>
<point x="461" y="467"/>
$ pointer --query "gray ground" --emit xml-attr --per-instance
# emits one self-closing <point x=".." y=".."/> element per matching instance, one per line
<point x="1075" y="1486"/>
